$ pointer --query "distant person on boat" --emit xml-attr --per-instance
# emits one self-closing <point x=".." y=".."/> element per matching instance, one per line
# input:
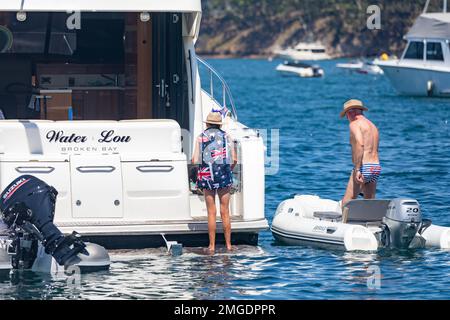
<point x="216" y="156"/>
<point x="364" y="139"/>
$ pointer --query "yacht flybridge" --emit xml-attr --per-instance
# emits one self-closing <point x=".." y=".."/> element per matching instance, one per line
<point x="102" y="99"/>
<point x="424" y="68"/>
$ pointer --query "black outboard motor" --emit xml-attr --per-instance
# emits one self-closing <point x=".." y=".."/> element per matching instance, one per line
<point x="27" y="207"/>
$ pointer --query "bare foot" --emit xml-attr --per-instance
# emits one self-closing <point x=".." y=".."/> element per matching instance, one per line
<point x="230" y="248"/>
<point x="210" y="250"/>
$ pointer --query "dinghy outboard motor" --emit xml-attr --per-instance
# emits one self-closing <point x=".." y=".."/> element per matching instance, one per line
<point x="27" y="207"/>
<point x="402" y="222"/>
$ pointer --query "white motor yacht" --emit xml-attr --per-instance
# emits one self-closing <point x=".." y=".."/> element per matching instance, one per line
<point x="304" y="51"/>
<point x="103" y="101"/>
<point x="294" y="68"/>
<point x="424" y="68"/>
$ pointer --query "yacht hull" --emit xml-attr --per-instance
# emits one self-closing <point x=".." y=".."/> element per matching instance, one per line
<point x="193" y="233"/>
<point x="418" y="82"/>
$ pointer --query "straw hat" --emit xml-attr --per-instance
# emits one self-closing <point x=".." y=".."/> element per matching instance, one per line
<point x="352" y="104"/>
<point x="214" y="118"/>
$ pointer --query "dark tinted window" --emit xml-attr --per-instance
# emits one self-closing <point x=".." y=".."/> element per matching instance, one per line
<point x="62" y="40"/>
<point x="27" y="36"/>
<point x="434" y="51"/>
<point x="5" y="39"/>
<point x="100" y="40"/>
<point x="415" y="51"/>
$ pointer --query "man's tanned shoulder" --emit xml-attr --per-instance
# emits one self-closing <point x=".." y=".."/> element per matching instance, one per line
<point x="355" y="128"/>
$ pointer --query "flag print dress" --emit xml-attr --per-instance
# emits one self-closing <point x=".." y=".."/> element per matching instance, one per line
<point x="215" y="170"/>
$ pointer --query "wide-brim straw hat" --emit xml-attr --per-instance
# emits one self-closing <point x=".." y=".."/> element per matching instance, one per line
<point x="214" y="118"/>
<point x="352" y="104"/>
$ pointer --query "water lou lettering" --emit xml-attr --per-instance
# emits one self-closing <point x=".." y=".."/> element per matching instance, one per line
<point x="108" y="136"/>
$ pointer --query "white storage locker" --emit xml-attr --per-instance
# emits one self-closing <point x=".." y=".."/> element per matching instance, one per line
<point x="156" y="189"/>
<point x="53" y="170"/>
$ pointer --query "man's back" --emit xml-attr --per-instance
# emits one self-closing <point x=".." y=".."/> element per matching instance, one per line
<point x="369" y="136"/>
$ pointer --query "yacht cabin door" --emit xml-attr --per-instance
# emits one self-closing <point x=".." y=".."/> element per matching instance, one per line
<point x="169" y="74"/>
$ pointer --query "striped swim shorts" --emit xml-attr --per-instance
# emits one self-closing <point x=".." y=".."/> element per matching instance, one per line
<point x="371" y="172"/>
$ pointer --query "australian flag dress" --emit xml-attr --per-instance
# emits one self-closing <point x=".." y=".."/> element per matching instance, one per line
<point x="215" y="170"/>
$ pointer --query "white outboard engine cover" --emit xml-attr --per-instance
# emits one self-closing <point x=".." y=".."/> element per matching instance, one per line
<point x="403" y="220"/>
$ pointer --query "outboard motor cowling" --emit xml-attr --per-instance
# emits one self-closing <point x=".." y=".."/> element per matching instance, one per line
<point x="402" y="222"/>
<point x="27" y="208"/>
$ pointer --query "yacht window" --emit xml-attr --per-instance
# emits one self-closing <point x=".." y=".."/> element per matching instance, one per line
<point x="434" y="51"/>
<point x="318" y="50"/>
<point x="27" y="36"/>
<point x="415" y="50"/>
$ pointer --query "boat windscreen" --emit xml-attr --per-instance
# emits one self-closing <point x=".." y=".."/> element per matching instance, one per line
<point x="297" y="64"/>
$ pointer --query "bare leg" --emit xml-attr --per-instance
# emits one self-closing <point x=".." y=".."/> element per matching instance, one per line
<point x="210" y="196"/>
<point x="224" y="196"/>
<point x="353" y="190"/>
<point x="370" y="190"/>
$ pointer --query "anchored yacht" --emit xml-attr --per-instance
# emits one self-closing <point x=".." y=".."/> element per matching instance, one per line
<point x="304" y="51"/>
<point x="102" y="100"/>
<point x="424" y="68"/>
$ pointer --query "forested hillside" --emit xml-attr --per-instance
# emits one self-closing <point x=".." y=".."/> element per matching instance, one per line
<point x="251" y="27"/>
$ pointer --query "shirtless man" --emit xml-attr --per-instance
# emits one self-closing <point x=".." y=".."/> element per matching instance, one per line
<point x="364" y="139"/>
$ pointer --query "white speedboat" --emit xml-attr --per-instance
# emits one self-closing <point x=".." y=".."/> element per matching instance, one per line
<point x="370" y="67"/>
<point x="360" y="66"/>
<point x="424" y="68"/>
<point x="351" y="65"/>
<point x="294" y="68"/>
<point x="365" y="225"/>
<point x="103" y="101"/>
<point x="304" y="51"/>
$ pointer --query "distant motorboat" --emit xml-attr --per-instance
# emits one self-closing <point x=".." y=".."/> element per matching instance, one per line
<point x="363" y="67"/>
<point x="304" y="51"/>
<point x="352" y="65"/>
<point x="295" y="68"/>
<point x="424" y="68"/>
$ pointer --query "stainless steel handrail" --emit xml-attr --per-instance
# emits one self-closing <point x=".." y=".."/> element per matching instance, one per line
<point x="226" y="92"/>
<point x="444" y="6"/>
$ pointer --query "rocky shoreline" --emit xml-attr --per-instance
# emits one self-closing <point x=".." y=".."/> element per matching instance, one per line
<point x="250" y="29"/>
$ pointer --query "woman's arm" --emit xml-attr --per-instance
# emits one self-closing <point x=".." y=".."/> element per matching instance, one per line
<point x="234" y="159"/>
<point x="195" y="155"/>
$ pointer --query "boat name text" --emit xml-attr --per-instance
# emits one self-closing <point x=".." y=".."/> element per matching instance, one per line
<point x="106" y="136"/>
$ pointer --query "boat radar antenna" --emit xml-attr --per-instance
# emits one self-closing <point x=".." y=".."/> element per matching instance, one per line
<point x="444" y="6"/>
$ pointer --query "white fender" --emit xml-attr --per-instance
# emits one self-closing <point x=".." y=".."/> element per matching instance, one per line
<point x="437" y="236"/>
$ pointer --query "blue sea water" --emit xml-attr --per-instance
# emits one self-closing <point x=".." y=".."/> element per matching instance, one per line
<point x="314" y="159"/>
